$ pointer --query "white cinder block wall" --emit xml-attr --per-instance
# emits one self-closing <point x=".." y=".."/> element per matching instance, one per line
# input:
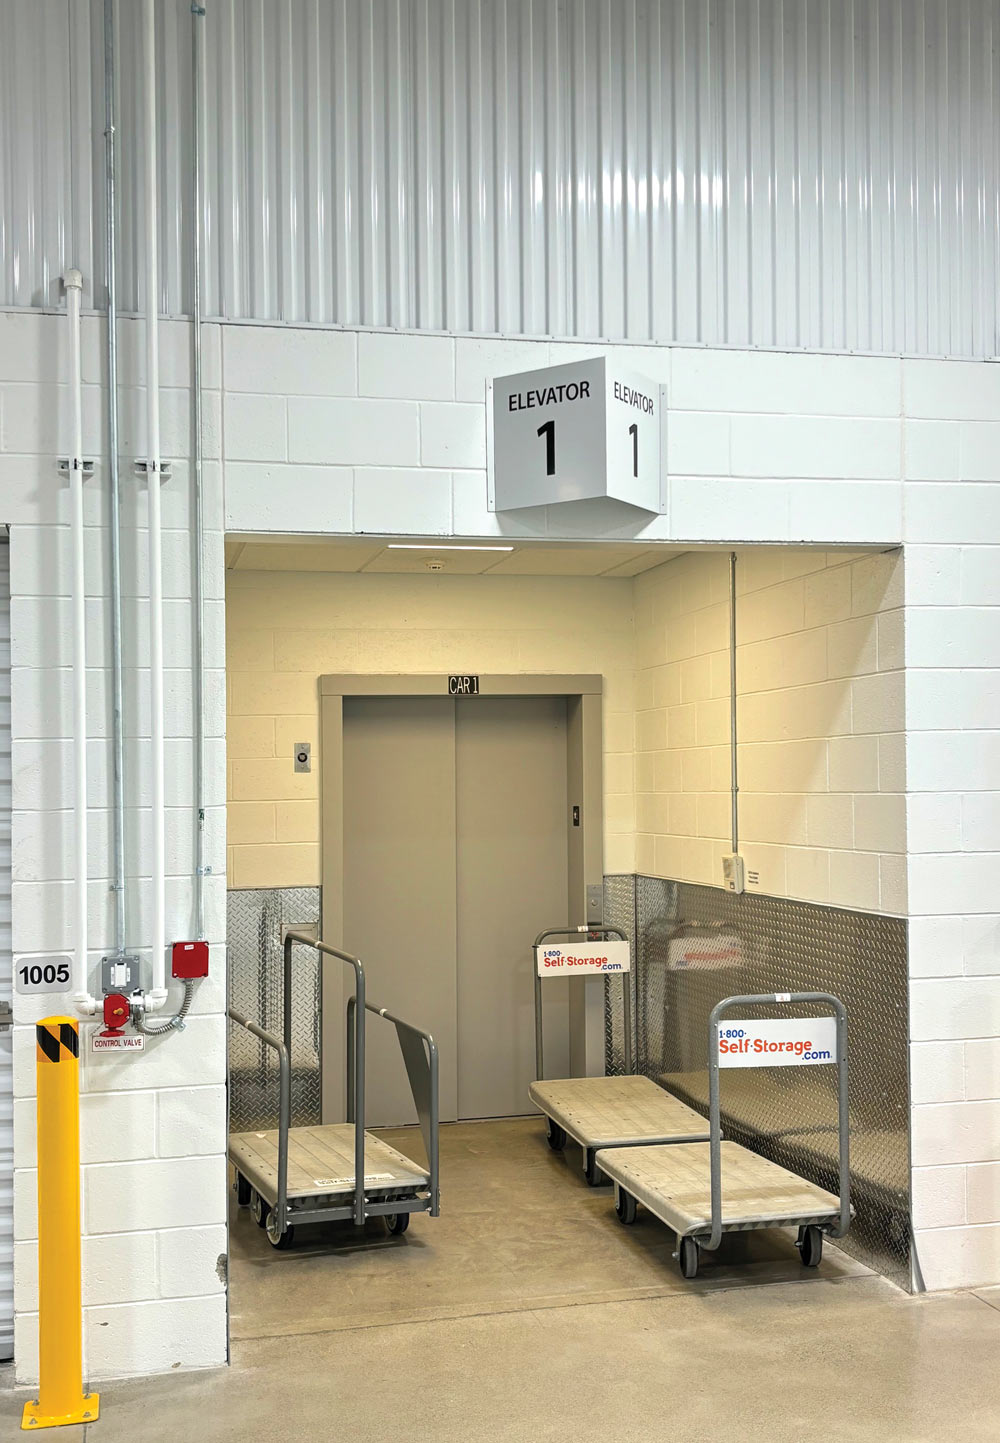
<point x="819" y="722"/>
<point x="286" y="629"/>
<point x="152" y="1124"/>
<point x="338" y="432"/>
<point x="952" y="529"/>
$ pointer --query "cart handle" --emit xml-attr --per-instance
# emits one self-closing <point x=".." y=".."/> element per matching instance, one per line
<point x="568" y="931"/>
<point x="302" y="940"/>
<point x="715" y="1128"/>
<point x="284" y="1108"/>
<point x="420" y="1057"/>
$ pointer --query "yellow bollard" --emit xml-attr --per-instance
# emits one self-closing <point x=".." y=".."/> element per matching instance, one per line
<point x="61" y="1398"/>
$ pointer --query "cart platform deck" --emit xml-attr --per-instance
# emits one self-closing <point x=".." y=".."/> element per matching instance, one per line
<point x="617" y="1111"/>
<point x="321" y="1164"/>
<point x="674" y="1183"/>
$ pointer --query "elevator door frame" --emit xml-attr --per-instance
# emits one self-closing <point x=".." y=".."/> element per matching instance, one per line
<point x="585" y="842"/>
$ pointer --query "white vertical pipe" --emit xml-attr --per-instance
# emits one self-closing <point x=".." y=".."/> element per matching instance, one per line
<point x="82" y="1000"/>
<point x="198" y="88"/>
<point x="734" y="778"/>
<point x="158" y="995"/>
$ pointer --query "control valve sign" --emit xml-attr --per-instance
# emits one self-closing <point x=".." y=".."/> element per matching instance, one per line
<point x="582" y="959"/>
<point x="778" y="1042"/>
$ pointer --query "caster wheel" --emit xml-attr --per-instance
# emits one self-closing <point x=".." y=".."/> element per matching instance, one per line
<point x="243" y="1191"/>
<point x="397" y="1223"/>
<point x="810" y="1246"/>
<point x="555" y="1136"/>
<point x="688" y="1258"/>
<point x="625" y="1207"/>
<point x="281" y="1241"/>
<point x="259" y="1209"/>
<point x="592" y="1172"/>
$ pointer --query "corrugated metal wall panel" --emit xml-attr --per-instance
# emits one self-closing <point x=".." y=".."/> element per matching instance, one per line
<point x="795" y="173"/>
<point x="6" y="981"/>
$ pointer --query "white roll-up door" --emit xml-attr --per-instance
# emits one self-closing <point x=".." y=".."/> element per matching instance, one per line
<point x="6" y="980"/>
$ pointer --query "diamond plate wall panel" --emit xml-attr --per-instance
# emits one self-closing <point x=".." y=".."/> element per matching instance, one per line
<point x="619" y="911"/>
<point x="254" y="921"/>
<point x="695" y="945"/>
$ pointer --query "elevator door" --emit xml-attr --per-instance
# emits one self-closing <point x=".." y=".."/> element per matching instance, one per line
<point x="510" y="756"/>
<point x="399" y="884"/>
<point x="455" y="856"/>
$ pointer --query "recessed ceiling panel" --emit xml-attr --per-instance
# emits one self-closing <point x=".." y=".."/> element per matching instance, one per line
<point x="433" y="561"/>
<point x="304" y="556"/>
<point x="645" y="560"/>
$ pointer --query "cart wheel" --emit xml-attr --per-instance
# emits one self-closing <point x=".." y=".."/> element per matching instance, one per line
<point x="397" y="1223"/>
<point x="281" y="1241"/>
<point x="688" y="1257"/>
<point x="593" y="1174"/>
<point x="259" y="1209"/>
<point x="625" y="1207"/>
<point x="243" y="1191"/>
<point x="555" y="1135"/>
<point x="810" y="1246"/>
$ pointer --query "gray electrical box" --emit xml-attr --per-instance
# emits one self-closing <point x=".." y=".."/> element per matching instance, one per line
<point x="303" y="756"/>
<point x="120" y="974"/>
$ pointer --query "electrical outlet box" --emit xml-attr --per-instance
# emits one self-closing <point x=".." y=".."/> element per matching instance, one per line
<point x="732" y="872"/>
<point x="189" y="960"/>
<point x="120" y="974"/>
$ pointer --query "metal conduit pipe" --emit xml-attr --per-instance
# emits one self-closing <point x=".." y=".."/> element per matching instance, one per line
<point x="197" y="83"/>
<point x="82" y="999"/>
<point x="114" y="491"/>
<point x="166" y="1024"/>
<point x="155" y="998"/>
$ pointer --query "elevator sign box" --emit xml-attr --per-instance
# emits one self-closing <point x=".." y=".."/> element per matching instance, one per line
<point x="572" y="433"/>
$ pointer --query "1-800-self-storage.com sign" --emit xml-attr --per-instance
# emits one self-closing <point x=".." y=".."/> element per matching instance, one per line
<point x="582" y="959"/>
<point x="777" y="1042"/>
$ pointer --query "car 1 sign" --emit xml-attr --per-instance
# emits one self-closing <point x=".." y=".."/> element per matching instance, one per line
<point x="576" y="432"/>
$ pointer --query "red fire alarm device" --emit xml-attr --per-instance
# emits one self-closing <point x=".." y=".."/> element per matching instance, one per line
<point x="189" y="960"/>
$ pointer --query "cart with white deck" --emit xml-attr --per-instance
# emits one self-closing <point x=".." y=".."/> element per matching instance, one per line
<point x="709" y="1189"/>
<point x="603" y="1112"/>
<point x="291" y="1176"/>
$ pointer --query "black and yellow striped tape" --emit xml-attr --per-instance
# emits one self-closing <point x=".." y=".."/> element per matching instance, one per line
<point x="57" y="1041"/>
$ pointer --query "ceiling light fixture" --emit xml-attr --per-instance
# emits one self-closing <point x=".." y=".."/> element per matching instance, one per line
<point x="431" y="546"/>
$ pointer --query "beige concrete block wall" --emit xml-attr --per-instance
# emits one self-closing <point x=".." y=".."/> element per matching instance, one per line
<point x="285" y="629"/>
<point x="820" y="723"/>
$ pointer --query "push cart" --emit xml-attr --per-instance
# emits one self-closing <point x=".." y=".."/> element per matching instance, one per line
<point x="292" y="1176"/>
<point x="683" y="1187"/>
<point x="606" y="1112"/>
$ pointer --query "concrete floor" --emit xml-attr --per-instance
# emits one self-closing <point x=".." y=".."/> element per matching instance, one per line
<point x="526" y="1312"/>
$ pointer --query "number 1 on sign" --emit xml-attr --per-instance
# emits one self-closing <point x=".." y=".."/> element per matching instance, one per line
<point x="633" y="431"/>
<point x="549" y="432"/>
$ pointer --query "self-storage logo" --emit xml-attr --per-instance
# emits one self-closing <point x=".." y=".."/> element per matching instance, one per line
<point x="583" y="959"/>
<point x="778" y="1042"/>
